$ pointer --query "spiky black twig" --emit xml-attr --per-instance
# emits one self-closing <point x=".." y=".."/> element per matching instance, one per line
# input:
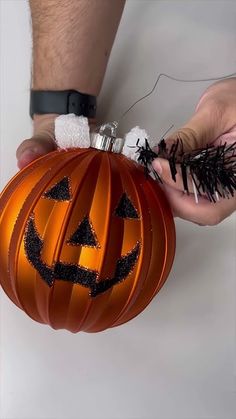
<point x="145" y="157"/>
<point x="211" y="170"/>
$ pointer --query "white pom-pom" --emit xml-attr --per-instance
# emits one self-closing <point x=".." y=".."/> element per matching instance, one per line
<point x="131" y="139"/>
<point x="72" y="131"/>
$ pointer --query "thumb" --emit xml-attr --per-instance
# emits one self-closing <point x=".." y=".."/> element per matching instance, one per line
<point x="207" y="124"/>
<point x="42" y="141"/>
<point x="203" y="128"/>
<point x="33" y="148"/>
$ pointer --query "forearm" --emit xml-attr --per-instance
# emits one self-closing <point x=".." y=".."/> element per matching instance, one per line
<point x="72" y="41"/>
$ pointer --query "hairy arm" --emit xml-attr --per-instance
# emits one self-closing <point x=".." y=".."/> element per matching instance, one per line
<point x="72" y="41"/>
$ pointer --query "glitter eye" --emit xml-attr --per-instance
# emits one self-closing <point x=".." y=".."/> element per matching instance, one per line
<point x="125" y="208"/>
<point x="59" y="192"/>
<point x="84" y="235"/>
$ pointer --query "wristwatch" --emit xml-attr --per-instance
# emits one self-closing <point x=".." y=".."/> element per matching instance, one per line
<point x="62" y="102"/>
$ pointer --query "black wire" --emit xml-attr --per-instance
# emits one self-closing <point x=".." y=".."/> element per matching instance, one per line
<point x="175" y="79"/>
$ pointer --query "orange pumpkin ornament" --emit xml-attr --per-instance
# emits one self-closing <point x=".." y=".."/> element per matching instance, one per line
<point x="87" y="239"/>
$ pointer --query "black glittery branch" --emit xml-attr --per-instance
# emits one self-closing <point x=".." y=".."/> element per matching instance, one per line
<point x="211" y="170"/>
<point x="145" y="157"/>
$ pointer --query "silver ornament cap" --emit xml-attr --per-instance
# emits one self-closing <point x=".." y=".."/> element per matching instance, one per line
<point x="105" y="139"/>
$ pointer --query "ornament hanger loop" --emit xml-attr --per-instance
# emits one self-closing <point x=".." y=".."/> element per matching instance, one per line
<point x="106" y="139"/>
<point x="110" y="127"/>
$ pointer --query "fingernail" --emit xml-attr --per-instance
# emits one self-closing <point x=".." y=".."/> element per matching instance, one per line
<point x="157" y="166"/>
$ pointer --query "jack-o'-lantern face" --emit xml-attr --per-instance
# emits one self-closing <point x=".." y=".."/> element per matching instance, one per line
<point x="87" y="239"/>
<point x="85" y="236"/>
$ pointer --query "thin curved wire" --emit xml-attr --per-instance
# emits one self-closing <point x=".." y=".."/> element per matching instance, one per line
<point x="175" y="79"/>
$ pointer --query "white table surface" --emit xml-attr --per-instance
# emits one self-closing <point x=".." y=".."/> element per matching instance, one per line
<point x="177" y="359"/>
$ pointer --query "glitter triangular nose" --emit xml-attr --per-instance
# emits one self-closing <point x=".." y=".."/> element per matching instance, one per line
<point x="84" y="235"/>
<point x="125" y="208"/>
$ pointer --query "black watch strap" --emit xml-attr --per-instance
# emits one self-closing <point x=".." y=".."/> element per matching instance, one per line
<point x="62" y="102"/>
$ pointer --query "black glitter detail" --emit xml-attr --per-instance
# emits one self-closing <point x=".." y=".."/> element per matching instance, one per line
<point x="75" y="274"/>
<point x="84" y="235"/>
<point x="126" y="263"/>
<point x="124" y="267"/>
<point x="125" y="208"/>
<point x="60" y="191"/>
<point x="33" y="247"/>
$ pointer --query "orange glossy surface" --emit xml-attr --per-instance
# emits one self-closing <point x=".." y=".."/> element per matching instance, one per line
<point x="98" y="180"/>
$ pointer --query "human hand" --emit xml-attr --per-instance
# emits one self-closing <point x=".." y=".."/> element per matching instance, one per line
<point x="42" y="141"/>
<point x="214" y="122"/>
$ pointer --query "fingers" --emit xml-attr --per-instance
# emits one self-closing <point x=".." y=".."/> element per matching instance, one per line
<point x="229" y="137"/>
<point x="214" y="116"/>
<point x="203" y="128"/>
<point x="221" y="93"/>
<point x="41" y="143"/>
<point x="33" y="148"/>
<point x="204" y="213"/>
<point x="194" y="207"/>
<point x="43" y="140"/>
<point x="162" y="167"/>
<point x="213" y="122"/>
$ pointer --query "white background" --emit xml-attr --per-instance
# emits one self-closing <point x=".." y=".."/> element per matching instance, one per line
<point x="177" y="359"/>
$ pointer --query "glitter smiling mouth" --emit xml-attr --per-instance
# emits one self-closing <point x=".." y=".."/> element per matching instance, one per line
<point x="75" y="274"/>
